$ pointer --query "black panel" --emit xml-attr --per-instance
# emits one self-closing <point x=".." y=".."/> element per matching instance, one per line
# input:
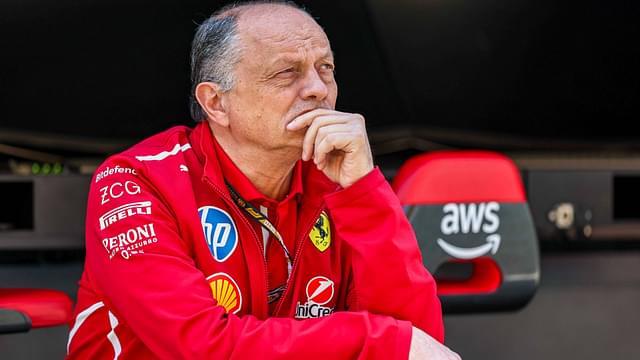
<point x="535" y="68"/>
<point x="542" y="69"/>
<point x="12" y="321"/>
<point x="96" y="68"/>
<point x="16" y="205"/>
<point x="120" y="69"/>
<point x="42" y="212"/>
<point x="625" y="201"/>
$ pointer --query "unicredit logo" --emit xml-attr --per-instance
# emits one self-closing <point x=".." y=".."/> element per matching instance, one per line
<point x="319" y="291"/>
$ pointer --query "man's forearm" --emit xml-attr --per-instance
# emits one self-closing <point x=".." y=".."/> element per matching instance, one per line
<point x="388" y="274"/>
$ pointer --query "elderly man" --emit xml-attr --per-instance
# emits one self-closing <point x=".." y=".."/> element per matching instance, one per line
<point x="265" y="231"/>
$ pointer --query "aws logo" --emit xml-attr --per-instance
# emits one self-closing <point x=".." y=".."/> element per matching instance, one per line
<point x="219" y="231"/>
<point x="226" y="292"/>
<point x="471" y="219"/>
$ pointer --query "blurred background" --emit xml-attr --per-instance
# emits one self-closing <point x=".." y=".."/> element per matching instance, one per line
<point x="553" y="85"/>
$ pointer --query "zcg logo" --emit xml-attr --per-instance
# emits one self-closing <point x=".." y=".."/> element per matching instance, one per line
<point x="117" y="189"/>
<point x="219" y="232"/>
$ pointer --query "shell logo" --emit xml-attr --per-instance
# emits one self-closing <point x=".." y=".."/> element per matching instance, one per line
<point x="226" y="292"/>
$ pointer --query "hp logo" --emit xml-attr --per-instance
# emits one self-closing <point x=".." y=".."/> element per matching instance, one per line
<point x="219" y="232"/>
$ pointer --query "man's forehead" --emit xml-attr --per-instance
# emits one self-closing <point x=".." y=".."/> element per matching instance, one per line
<point x="280" y="28"/>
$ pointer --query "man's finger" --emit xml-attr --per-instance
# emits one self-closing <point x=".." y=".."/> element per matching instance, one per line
<point x="322" y="125"/>
<point x="305" y="119"/>
<point x="333" y="141"/>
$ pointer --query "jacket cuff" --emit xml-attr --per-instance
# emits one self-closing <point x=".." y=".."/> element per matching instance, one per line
<point x="357" y="190"/>
<point x="404" y="339"/>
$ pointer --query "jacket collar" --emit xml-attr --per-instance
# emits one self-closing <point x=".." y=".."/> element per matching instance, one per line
<point x="245" y="187"/>
<point x="314" y="183"/>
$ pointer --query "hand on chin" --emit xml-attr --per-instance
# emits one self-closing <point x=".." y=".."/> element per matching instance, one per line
<point x="336" y="142"/>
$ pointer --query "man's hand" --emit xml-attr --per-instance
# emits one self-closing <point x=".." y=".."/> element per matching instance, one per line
<point x="425" y="347"/>
<point x="337" y="142"/>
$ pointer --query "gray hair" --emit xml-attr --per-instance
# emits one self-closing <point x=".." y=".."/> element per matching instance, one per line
<point x="214" y="52"/>
<point x="216" y="49"/>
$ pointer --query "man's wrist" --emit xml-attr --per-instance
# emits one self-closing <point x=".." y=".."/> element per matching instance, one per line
<point x="365" y="173"/>
<point x="405" y="335"/>
<point x="356" y="190"/>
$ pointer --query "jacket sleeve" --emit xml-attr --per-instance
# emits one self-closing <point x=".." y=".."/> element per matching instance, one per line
<point x="388" y="275"/>
<point x="158" y="292"/>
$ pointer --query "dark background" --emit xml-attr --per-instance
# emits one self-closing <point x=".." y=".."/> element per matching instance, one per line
<point x="551" y="74"/>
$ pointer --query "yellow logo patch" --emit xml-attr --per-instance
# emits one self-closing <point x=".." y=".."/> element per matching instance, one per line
<point x="320" y="234"/>
<point x="226" y="292"/>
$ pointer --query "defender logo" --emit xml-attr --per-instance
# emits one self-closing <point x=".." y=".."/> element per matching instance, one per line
<point x="123" y="212"/>
<point x="114" y="170"/>
<point x="320" y="291"/>
<point x="219" y="232"/>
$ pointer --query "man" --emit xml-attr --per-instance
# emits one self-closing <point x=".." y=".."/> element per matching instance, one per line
<point x="263" y="232"/>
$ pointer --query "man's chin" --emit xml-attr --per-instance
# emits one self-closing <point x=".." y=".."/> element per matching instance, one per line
<point x="295" y="147"/>
<point x="296" y="137"/>
<point x="290" y="144"/>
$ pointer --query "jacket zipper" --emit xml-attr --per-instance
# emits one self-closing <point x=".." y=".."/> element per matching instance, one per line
<point x="296" y="260"/>
<point x="255" y="236"/>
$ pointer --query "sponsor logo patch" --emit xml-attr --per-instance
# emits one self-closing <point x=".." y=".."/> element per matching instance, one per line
<point x="130" y="242"/>
<point x="114" y="170"/>
<point x="226" y="292"/>
<point x="123" y="212"/>
<point x="473" y="220"/>
<point x="320" y="291"/>
<point x="320" y="234"/>
<point x="117" y="189"/>
<point x="220" y="232"/>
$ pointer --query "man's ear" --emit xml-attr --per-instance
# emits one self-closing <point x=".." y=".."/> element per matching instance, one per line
<point x="209" y="97"/>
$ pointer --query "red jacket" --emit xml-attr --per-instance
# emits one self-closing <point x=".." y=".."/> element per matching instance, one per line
<point x="175" y="269"/>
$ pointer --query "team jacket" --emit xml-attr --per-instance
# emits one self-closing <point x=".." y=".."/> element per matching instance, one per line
<point x="175" y="269"/>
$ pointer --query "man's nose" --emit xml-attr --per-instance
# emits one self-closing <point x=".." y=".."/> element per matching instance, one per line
<point x="314" y="87"/>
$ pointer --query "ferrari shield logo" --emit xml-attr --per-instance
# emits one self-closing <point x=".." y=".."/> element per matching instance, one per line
<point x="320" y="234"/>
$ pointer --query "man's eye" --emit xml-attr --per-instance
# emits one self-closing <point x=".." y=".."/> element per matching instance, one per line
<point x="327" y="67"/>
<point x="286" y="72"/>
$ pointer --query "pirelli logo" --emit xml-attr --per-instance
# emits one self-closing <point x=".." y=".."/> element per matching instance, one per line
<point x="123" y="212"/>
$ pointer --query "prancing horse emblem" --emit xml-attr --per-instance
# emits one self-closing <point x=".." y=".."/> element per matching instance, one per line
<point x="320" y="234"/>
